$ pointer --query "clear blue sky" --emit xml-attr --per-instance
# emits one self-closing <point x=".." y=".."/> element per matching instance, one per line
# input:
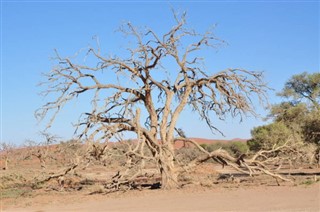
<point x="279" y="38"/>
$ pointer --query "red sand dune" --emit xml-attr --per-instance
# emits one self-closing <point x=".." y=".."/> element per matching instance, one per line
<point x="180" y="144"/>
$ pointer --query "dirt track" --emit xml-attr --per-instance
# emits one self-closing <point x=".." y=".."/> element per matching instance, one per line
<point x="264" y="198"/>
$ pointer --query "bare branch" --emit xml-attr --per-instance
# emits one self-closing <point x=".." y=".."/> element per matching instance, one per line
<point x="125" y="92"/>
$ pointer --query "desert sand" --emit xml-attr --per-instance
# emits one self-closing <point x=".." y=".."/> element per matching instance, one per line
<point x="262" y="198"/>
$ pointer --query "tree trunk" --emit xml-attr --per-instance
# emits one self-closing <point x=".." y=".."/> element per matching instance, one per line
<point x="169" y="176"/>
<point x="6" y="161"/>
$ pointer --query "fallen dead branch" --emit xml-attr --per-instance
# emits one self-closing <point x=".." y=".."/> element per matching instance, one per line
<point x="259" y="163"/>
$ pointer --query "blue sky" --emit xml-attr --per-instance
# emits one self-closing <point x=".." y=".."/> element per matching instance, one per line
<point x="279" y="38"/>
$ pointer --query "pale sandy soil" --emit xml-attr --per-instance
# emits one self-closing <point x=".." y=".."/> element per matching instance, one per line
<point x="262" y="198"/>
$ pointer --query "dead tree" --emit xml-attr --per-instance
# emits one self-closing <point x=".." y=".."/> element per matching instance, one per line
<point x="6" y="151"/>
<point x="42" y="150"/>
<point x="142" y="94"/>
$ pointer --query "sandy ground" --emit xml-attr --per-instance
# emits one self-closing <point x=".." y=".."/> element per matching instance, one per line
<point x="262" y="198"/>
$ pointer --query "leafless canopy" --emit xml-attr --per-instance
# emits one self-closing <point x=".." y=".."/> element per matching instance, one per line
<point x="146" y="91"/>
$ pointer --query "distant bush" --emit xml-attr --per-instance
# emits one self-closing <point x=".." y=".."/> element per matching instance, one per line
<point x="214" y="146"/>
<point x="265" y="137"/>
<point x="311" y="128"/>
<point x="187" y="154"/>
<point x="235" y="148"/>
<point x="239" y="147"/>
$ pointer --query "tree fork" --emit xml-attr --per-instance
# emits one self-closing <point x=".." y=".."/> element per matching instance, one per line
<point x="162" y="93"/>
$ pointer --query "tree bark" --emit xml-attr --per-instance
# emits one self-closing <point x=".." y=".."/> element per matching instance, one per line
<point x="6" y="163"/>
<point x="169" y="176"/>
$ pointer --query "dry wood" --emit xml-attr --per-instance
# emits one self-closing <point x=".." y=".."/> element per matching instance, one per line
<point x="121" y="87"/>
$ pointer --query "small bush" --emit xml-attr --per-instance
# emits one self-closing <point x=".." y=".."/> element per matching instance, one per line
<point x="215" y="146"/>
<point x="239" y="147"/>
<point x="187" y="154"/>
<point x="265" y="137"/>
<point x="309" y="182"/>
<point x="14" y="192"/>
<point x="235" y="148"/>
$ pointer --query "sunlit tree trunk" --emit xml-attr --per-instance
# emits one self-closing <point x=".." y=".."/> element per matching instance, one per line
<point x="169" y="177"/>
<point x="6" y="161"/>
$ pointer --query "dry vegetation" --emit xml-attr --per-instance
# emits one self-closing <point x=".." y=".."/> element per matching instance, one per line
<point x="99" y="172"/>
<point x="285" y="152"/>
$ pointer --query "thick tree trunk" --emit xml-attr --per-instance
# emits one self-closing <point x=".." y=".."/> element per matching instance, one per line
<point x="169" y="176"/>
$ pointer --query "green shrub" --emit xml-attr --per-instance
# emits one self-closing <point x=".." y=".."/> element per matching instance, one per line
<point x="238" y="147"/>
<point x="311" y="128"/>
<point x="235" y="148"/>
<point x="15" y="192"/>
<point x="214" y="146"/>
<point x="265" y="137"/>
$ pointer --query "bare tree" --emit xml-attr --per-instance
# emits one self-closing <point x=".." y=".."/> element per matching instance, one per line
<point x="146" y="92"/>
<point x="42" y="150"/>
<point x="6" y="150"/>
